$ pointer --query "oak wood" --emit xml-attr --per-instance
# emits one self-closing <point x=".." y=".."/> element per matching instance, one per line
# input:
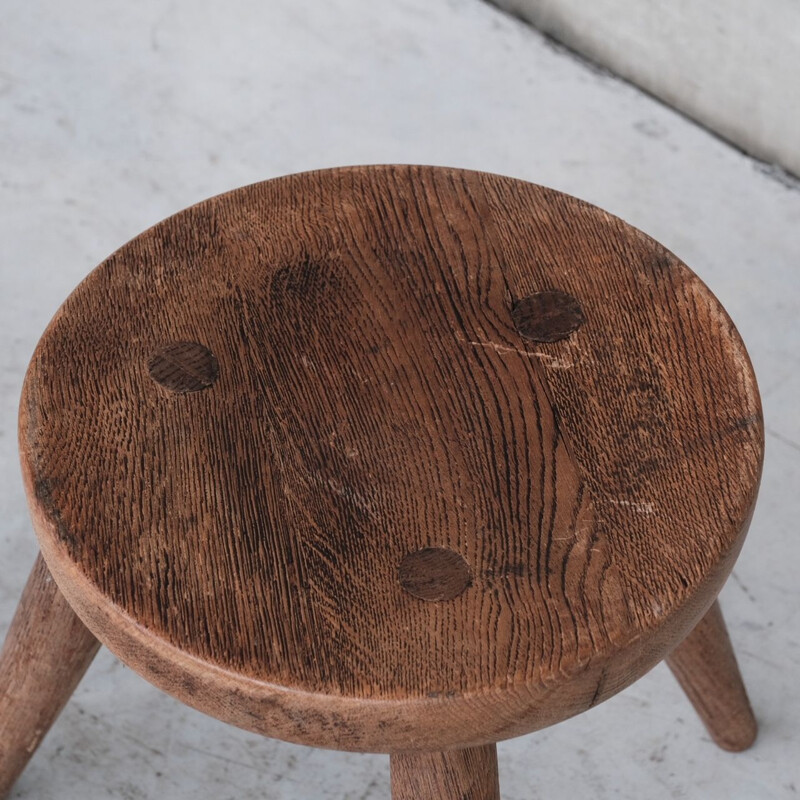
<point x="241" y="425"/>
<point x="705" y="666"/>
<point x="469" y="774"/>
<point x="46" y="651"/>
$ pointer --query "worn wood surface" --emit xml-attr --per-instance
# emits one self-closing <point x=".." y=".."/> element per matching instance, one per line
<point x="243" y="423"/>
<point x="46" y="651"/>
<point x="705" y="666"/>
<point x="469" y="774"/>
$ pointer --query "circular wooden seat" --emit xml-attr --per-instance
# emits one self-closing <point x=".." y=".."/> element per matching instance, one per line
<point x="391" y="458"/>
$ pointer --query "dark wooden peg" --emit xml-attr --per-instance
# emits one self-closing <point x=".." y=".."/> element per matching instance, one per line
<point x="547" y="316"/>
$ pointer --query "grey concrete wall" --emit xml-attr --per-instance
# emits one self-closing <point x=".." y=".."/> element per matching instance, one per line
<point x="733" y="65"/>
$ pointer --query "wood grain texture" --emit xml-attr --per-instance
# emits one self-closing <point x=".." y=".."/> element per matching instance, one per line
<point x="240" y="544"/>
<point x="705" y="666"/>
<point x="46" y="651"/>
<point x="469" y="774"/>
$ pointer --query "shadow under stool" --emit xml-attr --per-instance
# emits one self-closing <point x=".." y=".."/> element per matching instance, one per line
<point x="390" y="459"/>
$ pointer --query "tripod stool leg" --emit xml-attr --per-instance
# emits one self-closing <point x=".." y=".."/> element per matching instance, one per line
<point x="706" y="668"/>
<point x="469" y="774"/>
<point x="46" y="651"/>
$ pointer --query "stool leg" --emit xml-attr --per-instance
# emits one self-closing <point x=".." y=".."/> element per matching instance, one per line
<point x="706" y="668"/>
<point x="46" y="651"/>
<point x="469" y="774"/>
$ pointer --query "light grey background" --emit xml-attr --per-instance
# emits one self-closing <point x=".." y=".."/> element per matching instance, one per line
<point x="113" y="116"/>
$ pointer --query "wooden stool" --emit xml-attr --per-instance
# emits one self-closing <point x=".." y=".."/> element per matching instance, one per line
<point x="388" y="459"/>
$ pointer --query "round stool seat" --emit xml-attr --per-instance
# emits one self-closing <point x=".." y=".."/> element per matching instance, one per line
<point x="389" y="458"/>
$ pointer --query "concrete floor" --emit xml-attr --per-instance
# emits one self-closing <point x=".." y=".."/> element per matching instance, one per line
<point x="113" y="116"/>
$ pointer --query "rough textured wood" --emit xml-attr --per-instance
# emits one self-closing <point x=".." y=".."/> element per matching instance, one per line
<point x="469" y="774"/>
<point x="706" y="668"/>
<point x="240" y="545"/>
<point x="46" y="651"/>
